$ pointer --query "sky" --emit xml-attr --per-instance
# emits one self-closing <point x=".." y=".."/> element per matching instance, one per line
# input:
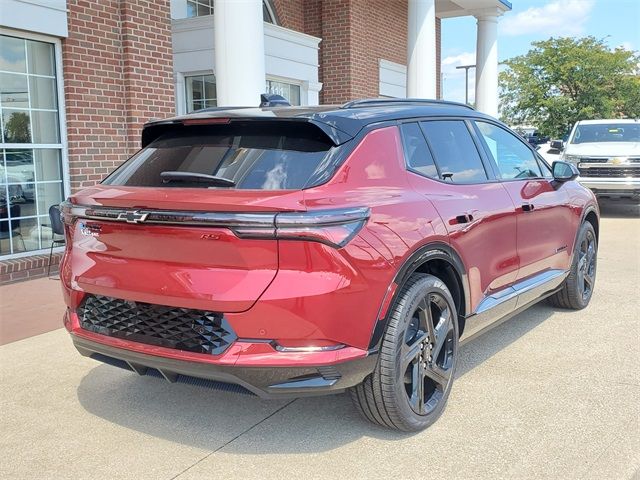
<point x="616" y="21"/>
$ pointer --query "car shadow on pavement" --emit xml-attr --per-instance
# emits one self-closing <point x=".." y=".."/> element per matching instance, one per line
<point x="204" y="418"/>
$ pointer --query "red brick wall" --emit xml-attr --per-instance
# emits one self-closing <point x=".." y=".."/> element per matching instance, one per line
<point x="379" y="31"/>
<point x="291" y="14"/>
<point x="27" y="268"/>
<point x="118" y="73"/>
<point x="335" y="50"/>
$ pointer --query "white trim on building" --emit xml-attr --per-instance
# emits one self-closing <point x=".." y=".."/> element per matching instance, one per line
<point x="289" y="56"/>
<point x="392" y="79"/>
<point x="48" y="17"/>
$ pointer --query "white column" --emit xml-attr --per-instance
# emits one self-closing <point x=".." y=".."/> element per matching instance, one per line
<point x="239" y="52"/>
<point x="487" y="64"/>
<point x="312" y="93"/>
<point x="421" y="49"/>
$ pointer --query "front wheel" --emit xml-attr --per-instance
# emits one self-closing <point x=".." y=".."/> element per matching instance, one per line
<point x="414" y="374"/>
<point x="578" y="287"/>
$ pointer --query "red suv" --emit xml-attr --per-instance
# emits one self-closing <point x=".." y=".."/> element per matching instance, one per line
<point x="299" y="251"/>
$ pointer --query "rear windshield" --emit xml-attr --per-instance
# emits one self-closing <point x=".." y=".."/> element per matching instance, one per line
<point x="252" y="155"/>
<point x="607" y="132"/>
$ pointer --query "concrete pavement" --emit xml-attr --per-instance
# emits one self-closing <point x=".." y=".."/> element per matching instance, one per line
<point x="548" y="394"/>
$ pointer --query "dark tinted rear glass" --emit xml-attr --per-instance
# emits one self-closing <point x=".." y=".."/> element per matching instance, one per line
<point x="253" y="155"/>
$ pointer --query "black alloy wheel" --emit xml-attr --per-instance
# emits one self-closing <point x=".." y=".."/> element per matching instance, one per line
<point x="587" y="265"/>
<point x="410" y="386"/>
<point x="427" y="353"/>
<point x="578" y="287"/>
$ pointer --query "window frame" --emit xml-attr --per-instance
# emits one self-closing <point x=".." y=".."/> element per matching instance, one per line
<point x="493" y="162"/>
<point x="290" y="82"/>
<point x="62" y="145"/>
<point x="490" y="173"/>
<point x="267" y="5"/>
<point x="404" y="151"/>
<point x="205" y="3"/>
<point x="185" y="81"/>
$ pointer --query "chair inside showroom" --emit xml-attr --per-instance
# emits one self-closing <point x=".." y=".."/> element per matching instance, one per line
<point x="57" y="230"/>
<point x="11" y="229"/>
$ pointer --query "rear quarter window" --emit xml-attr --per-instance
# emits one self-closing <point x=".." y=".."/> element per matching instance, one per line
<point x="251" y="155"/>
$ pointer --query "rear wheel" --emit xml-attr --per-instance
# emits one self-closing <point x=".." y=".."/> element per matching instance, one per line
<point x="578" y="286"/>
<point x="412" y="380"/>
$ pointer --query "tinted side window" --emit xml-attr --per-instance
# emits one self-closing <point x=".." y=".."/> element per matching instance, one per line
<point x="416" y="150"/>
<point x="454" y="150"/>
<point x="513" y="158"/>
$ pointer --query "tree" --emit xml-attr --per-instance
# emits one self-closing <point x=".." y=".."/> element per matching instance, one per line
<point x="563" y="80"/>
<point x="16" y="128"/>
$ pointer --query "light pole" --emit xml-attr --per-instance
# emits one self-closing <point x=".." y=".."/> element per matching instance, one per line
<point x="466" y="81"/>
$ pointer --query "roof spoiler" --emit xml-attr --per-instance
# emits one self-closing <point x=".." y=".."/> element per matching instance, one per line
<point x="156" y="129"/>
<point x="225" y="115"/>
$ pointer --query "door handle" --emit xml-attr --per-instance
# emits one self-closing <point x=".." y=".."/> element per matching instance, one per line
<point x="527" y="207"/>
<point x="466" y="218"/>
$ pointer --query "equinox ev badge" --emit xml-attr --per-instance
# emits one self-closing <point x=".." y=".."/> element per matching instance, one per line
<point x="133" y="217"/>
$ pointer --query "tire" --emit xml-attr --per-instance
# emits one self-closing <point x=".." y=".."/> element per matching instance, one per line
<point x="409" y="387"/>
<point x="578" y="287"/>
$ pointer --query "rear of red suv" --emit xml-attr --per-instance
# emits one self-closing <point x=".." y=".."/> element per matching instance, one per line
<point x="304" y="251"/>
<point x="231" y="249"/>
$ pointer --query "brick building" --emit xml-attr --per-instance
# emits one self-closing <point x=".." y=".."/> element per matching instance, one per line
<point x="78" y="79"/>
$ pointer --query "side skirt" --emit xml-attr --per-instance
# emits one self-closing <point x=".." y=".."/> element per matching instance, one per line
<point x="497" y="308"/>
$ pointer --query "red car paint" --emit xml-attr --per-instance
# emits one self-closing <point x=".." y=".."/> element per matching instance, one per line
<point x="306" y="293"/>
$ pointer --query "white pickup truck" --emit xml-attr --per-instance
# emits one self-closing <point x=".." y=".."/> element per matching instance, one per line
<point x="607" y="153"/>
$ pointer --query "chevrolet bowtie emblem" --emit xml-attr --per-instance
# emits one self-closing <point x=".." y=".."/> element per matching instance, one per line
<point x="133" y="217"/>
<point x="618" y="160"/>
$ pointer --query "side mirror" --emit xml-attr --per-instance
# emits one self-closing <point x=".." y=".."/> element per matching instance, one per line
<point x="564" y="172"/>
<point x="557" y="145"/>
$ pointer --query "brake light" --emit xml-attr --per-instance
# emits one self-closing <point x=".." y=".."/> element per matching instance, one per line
<point x="206" y="121"/>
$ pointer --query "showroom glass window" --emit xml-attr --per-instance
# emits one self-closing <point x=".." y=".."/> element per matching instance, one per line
<point x="201" y="92"/>
<point x="31" y="174"/>
<point x="199" y="8"/>
<point x="289" y="91"/>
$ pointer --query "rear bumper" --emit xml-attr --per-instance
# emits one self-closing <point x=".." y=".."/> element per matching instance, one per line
<point x="612" y="186"/>
<point x="272" y="375"/>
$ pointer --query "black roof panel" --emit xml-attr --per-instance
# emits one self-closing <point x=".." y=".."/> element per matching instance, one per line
<point x="340" y="123"/>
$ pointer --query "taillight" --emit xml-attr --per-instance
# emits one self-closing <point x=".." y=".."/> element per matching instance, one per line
<point x="334" y="227"/>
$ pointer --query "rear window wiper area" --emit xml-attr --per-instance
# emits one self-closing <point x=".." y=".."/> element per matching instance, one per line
<point x="193" y="177"/>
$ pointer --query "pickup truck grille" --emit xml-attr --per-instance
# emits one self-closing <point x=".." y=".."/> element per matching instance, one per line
<point x="594" y="159"/>
<point x="606" y="159"/>
<point x="609" y="172"/>
<point x="186" y="329"/>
